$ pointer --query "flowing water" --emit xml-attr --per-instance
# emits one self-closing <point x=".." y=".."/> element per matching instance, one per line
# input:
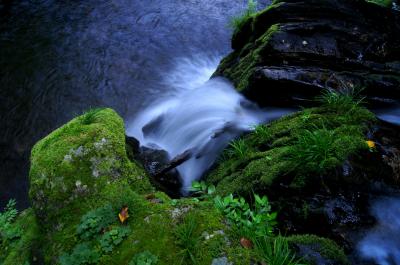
<point x="59" y="58"/>
<point x="200" y="115"/>
<point x="382" y="243"/>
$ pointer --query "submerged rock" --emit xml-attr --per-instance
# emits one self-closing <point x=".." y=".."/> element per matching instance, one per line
<point x="294" y="49"/>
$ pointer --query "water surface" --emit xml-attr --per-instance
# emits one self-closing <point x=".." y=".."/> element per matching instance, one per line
<point x="58" y="58"/>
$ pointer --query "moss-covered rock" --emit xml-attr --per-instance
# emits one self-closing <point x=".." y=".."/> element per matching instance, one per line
<point x="77" y="161"/>
<point x="81" y="178"/>
<point x="317" y="250"/>
<point x="293" y="49"/>
<point x="294" y="151"/>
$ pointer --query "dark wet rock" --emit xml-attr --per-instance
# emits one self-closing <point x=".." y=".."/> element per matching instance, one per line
<point x="309" y="253"/>
<point x="154" y="158"/>
<point x="132" y="147"/>
<point x="175" y="162"/>
<point x="161" y="168"/>
<point x="292" y="50"/>
<point x="387" y="137"/>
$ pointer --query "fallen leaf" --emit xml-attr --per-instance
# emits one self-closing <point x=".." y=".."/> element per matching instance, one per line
<point x="123" y="215"/>
<point x="246" y="243"/>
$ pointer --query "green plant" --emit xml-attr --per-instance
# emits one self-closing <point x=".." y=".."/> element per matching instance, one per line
<point x="262" y="131"/>
<point x="259" y="221"/>
<point x="82" y="254"/>
<point x="306" y="115"/>
<point x="113" y="238"/>
<point x="238" y="148"/>
<point x="188" y="239"/>
<point x="275" y="251"/>
<point x="238" y="21"/>
<point x="315" y="150"/>
<point x="201" y="188"/>
<point x="385" y="3"/>
<point x="95" y="221"/>
<point x="144" y="258"/>
<point x="90" y="116"/>
<point x="341" y="101"/>
<point x="8" y="231"/>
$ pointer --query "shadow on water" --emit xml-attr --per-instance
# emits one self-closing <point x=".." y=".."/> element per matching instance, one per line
<point x="58" y="58"/>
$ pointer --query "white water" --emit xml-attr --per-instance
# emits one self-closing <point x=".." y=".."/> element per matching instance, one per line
<point x="390" y="115"/>
<point x="199" y="114"/>
<point x="382" y="244"/>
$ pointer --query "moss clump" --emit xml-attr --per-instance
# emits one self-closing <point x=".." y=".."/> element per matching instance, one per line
<point x="240" y="72"/>
<point x="312" y="248"/>
<point x="80" y="180"/>
<point x="72" y="168"/>
<point x="78" y="160"/>
<point x="22" y="248"/>
<point x="153" y="227"/>
<point x="238" y="21"/>
<point x="384" y="3"/>
<point x="295" y="148"/>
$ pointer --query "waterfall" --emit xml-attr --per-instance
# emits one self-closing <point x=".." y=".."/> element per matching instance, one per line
<point x="200" y="114"/>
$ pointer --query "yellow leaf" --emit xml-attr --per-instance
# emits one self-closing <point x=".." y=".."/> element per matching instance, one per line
<point x="123" y="215"/>
<point x="371" y="144"/>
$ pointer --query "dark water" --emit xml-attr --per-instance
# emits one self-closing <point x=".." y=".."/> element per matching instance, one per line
<point x="58" y="58"/>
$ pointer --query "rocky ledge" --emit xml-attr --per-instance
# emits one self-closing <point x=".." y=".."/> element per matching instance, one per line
<point x="295" y="48"/>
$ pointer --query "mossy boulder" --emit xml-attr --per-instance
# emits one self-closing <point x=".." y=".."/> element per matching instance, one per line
<point x="293" y="49"/>
<point x="81" y="178"/>
<point x="317" y="250"/>
<point x="78" y="160"/>
<point x="318" y="167"/>
<point x="294" y="152"/>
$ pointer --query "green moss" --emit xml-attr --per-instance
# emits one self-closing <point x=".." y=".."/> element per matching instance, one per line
<point x="323" y="246"/>
<point x="21" y="250"/>
<point x="153" y="228"/>
<point x="241" y="72"/>
<point x="238" y="21"/>
<point x="78" y="160"/>
<point x="384" y="3"/>
<point x="300" y="145"/>
<point x="77" y="168"/>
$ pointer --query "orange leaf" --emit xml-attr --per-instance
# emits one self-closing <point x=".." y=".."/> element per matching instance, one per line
<point x="246" y="243"/>
<point x="123" y="215"/>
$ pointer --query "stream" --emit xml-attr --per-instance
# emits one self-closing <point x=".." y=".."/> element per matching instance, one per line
<point x="382" y="243"/>
<point x="149" y="60"/>
<point x="59" y="58"/>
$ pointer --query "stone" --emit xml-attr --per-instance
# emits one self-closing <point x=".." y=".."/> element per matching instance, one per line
<point x="291" y="51"/>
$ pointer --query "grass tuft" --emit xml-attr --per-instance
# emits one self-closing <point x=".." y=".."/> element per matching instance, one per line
<point x="90" y="116"/>
<point x="341" y="101"/>
<point x="275" y="251"/>
<point x="262" y="131"/>
<point x="238" y="21"/>
<point x="315" y="150"/>
<point x="188" y="240"/>
<point x="238" y="149"/>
